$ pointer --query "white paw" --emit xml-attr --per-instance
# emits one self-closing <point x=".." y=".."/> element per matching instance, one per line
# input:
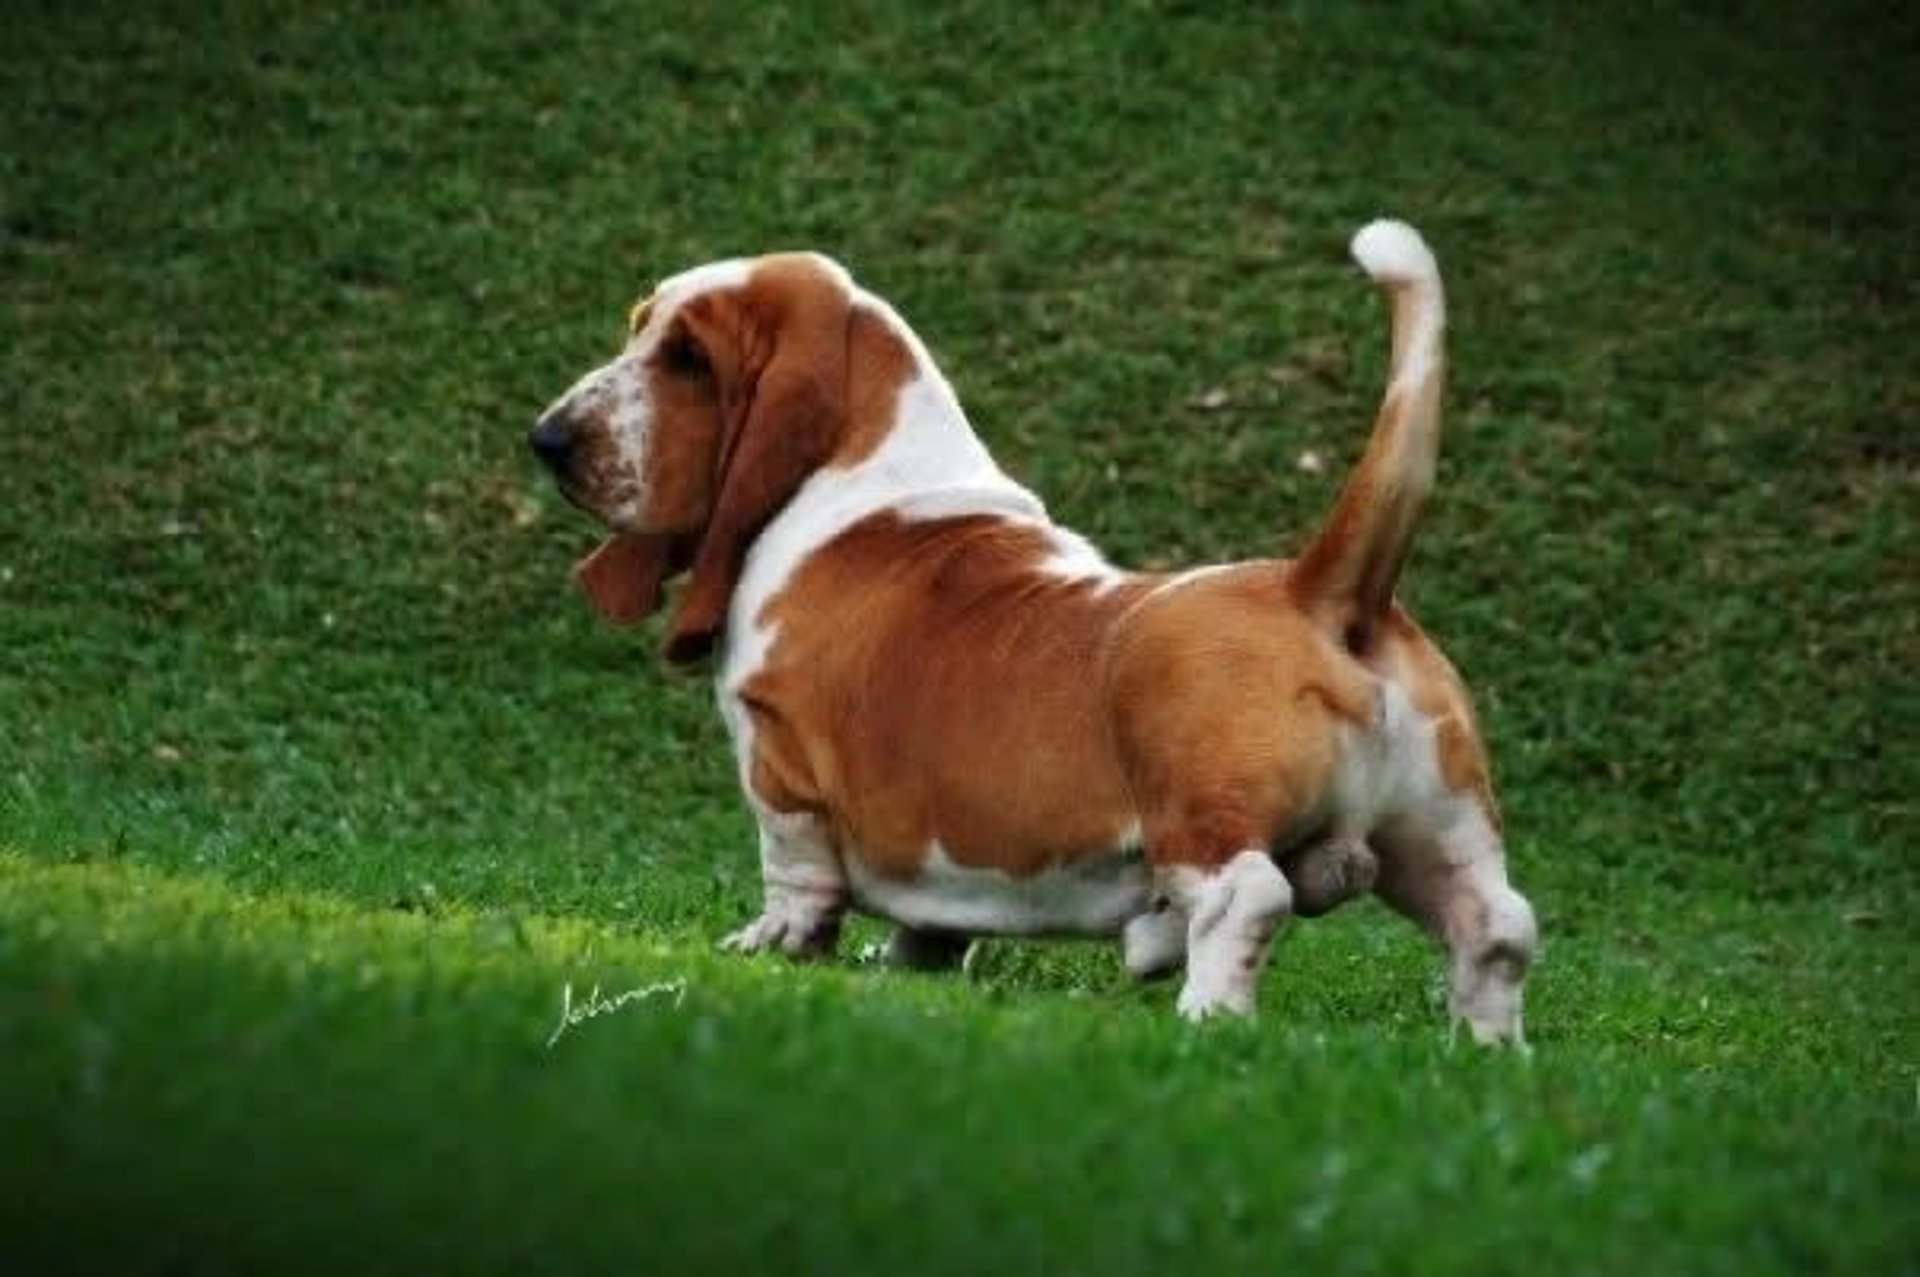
<point x="763" y="933"/>
<point x="1198" y="1002"/>
<point x="1154" y="943"/>
<point x="798" y="932"/>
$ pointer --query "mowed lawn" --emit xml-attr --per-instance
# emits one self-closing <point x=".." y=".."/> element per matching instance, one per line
<point x="321" y="793"/>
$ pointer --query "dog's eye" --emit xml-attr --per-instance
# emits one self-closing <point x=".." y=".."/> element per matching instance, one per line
<point x="682" y="356"/>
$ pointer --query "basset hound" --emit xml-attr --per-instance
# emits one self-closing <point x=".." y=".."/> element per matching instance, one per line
<point x="951" y="712"/>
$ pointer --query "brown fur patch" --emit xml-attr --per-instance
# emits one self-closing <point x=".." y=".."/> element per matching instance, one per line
<point x="879" y="366"/>
<point x="930" y="682"/>
<point x="1225" y="700"/>
<point x="622" y="578"/>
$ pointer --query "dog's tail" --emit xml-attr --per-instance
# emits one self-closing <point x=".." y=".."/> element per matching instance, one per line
<point x="1345" y="578"/>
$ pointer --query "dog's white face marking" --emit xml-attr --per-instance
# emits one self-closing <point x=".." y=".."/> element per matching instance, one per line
<point x="630" y="426"/>
<point x="617" y="398"/>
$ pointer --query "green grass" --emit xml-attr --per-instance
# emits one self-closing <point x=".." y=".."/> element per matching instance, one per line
<point x="317" y="784"/>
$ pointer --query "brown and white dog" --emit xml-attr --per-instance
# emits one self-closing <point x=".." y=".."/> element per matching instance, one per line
<point x="953" y="713"/>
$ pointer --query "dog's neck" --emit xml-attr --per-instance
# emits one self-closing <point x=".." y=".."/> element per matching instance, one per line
<point x="929" y="465"/>
<point x="929" y="455"/>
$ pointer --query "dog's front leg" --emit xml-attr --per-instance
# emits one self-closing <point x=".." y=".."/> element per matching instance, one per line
<point x="805" y="889"/>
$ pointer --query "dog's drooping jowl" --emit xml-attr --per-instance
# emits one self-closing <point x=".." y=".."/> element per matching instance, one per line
<point x="953" y="713"/>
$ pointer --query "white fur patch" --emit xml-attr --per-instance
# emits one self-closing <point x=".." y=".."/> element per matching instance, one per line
<point x="1232" y="913"/>
<point x="1093" y="895"/>
<point x="1388" y="779"/>
<point x="1493" y="936"/>
<point x="1398" y="259"/>
<point x="630" y="426"/>
<point x="615" y="395"/>
<point x="676" y="290"/>
<point x="1393" y="252"/>
<point x="1075" y="558"/>
<point x="1388" y="768"/>
<point x="1154" y="942"/>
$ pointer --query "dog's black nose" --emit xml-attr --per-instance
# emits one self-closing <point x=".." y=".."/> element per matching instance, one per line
<point x="551" y="440"/>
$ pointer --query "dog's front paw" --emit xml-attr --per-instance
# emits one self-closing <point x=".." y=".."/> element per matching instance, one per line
<point x="797" y="934"/>
<point x="761" y="934"/>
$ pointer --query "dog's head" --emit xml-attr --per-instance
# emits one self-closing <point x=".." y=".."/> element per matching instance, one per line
<point x="731" y="389"/>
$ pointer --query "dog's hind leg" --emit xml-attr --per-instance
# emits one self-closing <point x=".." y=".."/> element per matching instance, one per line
<point x="805" y="888"/>
<point x="1323" y="876"/>
<point x="1154" y="943"/>
<point x="1450" y="876"/>
<point x="1232" y="912"/>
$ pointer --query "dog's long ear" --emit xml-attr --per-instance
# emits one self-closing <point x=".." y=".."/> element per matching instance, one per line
<point x="622" y="578"/>
<point x="784" y="430"/>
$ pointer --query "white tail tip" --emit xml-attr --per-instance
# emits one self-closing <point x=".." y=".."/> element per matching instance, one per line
<point x="1393" y="253"/>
